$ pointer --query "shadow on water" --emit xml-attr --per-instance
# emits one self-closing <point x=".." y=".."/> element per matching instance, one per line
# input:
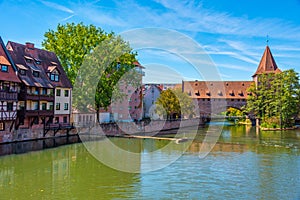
<point x="36" y="145"/>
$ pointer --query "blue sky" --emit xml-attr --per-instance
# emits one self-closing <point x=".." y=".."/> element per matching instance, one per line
<point x="232" y="32"/>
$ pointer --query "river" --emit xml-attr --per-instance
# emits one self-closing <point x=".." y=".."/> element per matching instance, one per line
<point x="244" y="164"/>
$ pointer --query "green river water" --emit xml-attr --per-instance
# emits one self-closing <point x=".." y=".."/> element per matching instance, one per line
<point x="244" y="164"/>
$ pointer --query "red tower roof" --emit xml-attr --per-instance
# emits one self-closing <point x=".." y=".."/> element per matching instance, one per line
<point x="267" y="63"/>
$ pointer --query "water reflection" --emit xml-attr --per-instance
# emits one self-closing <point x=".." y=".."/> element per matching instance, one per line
<point x="65" y="172"/>
<point x="242" y="165"/>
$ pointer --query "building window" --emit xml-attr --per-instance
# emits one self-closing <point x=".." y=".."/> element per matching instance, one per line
<point x="44" y="91"/>
<point x="35" y="105"/>
<point x="51" y="106"/>
<point x="54" y="77"/>
<point x="35" y="91"/>
<point x="36" y="74"/>
<point x="58" y="91"/>
<point x="22" y="72"/>
<point x="10" y="106"/>
<point x="66" y="106"/>
<point x="44" y="106"/>
<point x="56" y="120"/>
<point x="66" y="93"/>
<point x="57" y="107"/>
<point x="79" y="118"/>
<point x="28" y="60"/>
<point x="51" y="92"/>
<point x="4" y="68"/>
<point x="65" y="119"/>
<point x="2" y="126"/>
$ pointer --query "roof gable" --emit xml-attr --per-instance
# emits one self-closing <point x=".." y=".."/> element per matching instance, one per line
<point x="5" y="59"/>
<point x="267" y="63"/>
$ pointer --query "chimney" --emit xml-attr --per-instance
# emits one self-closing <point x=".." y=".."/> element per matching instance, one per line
<point x="29" y="45"/>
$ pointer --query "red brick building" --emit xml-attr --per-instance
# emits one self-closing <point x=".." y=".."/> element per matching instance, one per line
<point x="131" y="107"/>
<point x="216" y="96"/>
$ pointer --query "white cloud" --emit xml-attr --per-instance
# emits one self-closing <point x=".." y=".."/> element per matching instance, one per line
<point x="57" y="6"/>
<point x="235" y="67"/>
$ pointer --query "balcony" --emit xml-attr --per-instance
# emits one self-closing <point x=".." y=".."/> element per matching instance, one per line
<point x="33" y="113"/>
<point x="8" y="96"/>
<point x="23" y="96"/>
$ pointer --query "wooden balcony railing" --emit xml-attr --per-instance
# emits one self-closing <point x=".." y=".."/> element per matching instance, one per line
<point x="35" y="97"/>
<point x="33" y="113"/>
<point x="8" y="96"/>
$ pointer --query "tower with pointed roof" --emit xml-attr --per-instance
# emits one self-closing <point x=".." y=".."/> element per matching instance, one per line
<point x="267" y="65"/>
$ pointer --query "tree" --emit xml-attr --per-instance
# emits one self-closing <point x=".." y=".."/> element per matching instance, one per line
<point x="234" y="112"/>
<point x="71" y="43"/>
<point x="103" y="71"/>
<point x="275" y="99"/>
<point x="95" y="62"/>
<point x="174" y="103"/>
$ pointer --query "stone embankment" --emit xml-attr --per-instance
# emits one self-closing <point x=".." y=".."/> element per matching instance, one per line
<point x="108" y="129"/>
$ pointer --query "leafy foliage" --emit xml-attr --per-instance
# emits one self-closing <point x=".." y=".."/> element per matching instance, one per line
<point x="275" y="99"/>
<point x="174" y="103"/>
<point x="95" y="62"/>
<point x="71" y="42"/>
<point x="234" y="112"/>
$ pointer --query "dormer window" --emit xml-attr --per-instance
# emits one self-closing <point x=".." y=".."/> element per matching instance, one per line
<point x="54" y="77"/>
<point x="28" y="59"/>
<point x="36" y="74"/>
<point x="53" y="73"/>
<point x="22" y="72"/>
<point x="37" y="61"/>
<point x="4" y="68"/>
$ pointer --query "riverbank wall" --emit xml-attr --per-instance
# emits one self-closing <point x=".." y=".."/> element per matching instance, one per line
<point x="108" y="129"/>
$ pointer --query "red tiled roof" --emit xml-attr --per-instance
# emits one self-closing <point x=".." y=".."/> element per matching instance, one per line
<point x="137" y="64"/>
<point x="217" y="89"/>
<point x="19" y="52"/>
<point x="267" y="63"/>
<point x="3" y="60"/>
<point x="10" y="75"/>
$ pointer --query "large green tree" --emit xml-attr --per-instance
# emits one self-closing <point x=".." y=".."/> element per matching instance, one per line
<point x="174" y="104"/>
<point x="71" y="43"/>
<point x="275" y="99"/>
<point x="97" y="63"/>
